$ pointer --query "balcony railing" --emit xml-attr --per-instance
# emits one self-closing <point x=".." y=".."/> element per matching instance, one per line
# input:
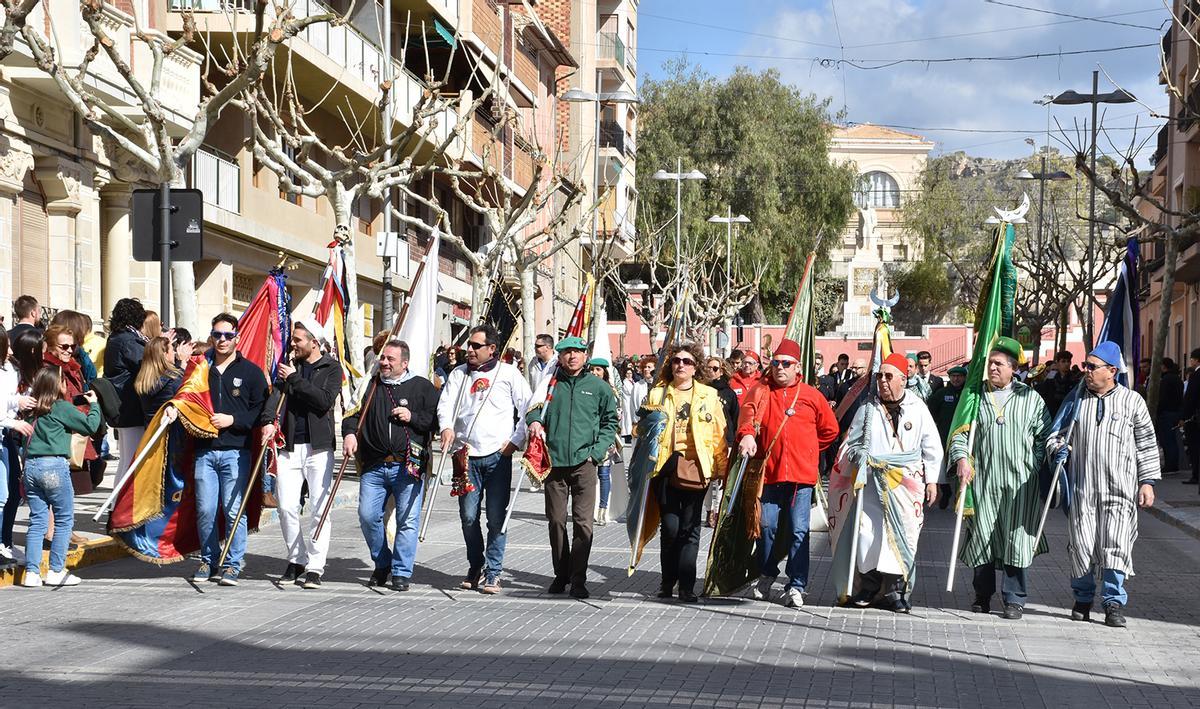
<point x="612" y="136"/>
<point x="212" y="5"/>
<point x="1160" y="152"/>
<point x="218" y="178"/>
<point x="611" y="47"/>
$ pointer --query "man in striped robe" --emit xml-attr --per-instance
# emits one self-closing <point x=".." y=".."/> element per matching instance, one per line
<point x="1109" y="480"/>
<point x="1009" y="446"/>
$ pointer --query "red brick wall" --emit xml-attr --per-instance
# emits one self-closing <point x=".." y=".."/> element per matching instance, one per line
<point x="556" y="14"/>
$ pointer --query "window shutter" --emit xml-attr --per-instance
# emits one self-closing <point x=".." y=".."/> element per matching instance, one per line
<point x="32" y="270"/>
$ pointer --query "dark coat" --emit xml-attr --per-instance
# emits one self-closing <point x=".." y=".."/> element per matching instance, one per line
<point x="1170" y="393"/>
<point x="729" y="405"/>
<point x="942" y="404"/>
<point x="383" y="436"/>
<point x="241" y="392"/>
<point x="311" y="398"/>
<point x="1191" y="397"/>
<point x="122" y="360"/>
<point x="152" y="401"/>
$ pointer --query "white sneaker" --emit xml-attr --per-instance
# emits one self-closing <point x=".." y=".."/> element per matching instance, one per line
<point x="602" y="516"/>
<point x="31" y="579"/>
<point x="761" y="590"/>
<point x="6" y="554"/>
<point x="61" y="578"/>
<point x="793" y="598"/>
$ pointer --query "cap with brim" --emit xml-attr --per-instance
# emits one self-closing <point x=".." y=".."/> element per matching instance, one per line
<point x="598" y="362"/>
<point x="1010" y="347"/>
<point x="570" y="343"/>
<point x="958" y="370"/>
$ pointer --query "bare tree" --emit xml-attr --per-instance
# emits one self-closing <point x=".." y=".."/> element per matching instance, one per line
<point x="142" y="139"/>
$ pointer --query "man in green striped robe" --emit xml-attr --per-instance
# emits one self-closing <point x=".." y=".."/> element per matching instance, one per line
<point x="1009" y="446"/>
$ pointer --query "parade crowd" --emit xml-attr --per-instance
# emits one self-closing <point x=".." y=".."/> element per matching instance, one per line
<point x="69" y="388"/>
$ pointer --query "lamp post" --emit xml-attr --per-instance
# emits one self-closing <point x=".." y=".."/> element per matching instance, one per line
<point x="679" y="176"/>
<point x="729" y="220"/>
<point x="1073" y="98"/>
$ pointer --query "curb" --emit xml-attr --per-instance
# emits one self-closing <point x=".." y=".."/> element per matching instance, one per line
<point x="1184" y="519"/>
<point x="104" y="549"/>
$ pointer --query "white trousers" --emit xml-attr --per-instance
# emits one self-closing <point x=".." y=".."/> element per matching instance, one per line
<point x="127" y="443"/>
<point x="294" y="469"/>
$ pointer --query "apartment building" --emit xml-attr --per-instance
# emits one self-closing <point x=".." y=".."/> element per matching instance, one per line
<point x="65" y="201"/>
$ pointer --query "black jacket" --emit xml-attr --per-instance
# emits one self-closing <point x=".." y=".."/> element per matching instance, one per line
<point x="381" y="435"/>
<point x="241" y="391"/>
<point x="1170" y="393"/>
<point x="729" y="405"/>
<point x="1191" y="397"/>
<point x="122" y="360"/>
<point x="311" y="398"/>
<point x="942" y="404"/>
<point x="151" y="402"/>
<point x="1056" y="390"/>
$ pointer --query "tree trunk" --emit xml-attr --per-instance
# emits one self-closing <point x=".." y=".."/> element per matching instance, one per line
<point x="342" y="201"/>
<point x="183" y="295"/>
<point x="527" y="313"/>
<point x="1164" y="322"/>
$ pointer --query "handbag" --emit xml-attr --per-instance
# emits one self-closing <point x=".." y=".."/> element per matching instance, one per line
<point x="78" y="451"/>
<point x="686" y="475"/>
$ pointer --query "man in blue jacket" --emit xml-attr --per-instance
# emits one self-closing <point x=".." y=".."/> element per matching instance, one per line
<point x="238" y="390"/>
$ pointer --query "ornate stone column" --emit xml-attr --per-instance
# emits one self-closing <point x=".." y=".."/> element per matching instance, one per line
<point x="117" y="253"/>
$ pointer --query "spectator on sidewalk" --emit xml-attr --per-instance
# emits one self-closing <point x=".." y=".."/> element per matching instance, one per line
<point x="311" y="380"/>
<point x="60" y="352"/>
<point x="80" y="326"/>
<point x="476" y="416"/>
<point x="1166" y="417"/>
<point x="579" y="426"/>
<point x="1190" y="415"/>
<point x="1059" y="382"/>
<point x="15" y="432"/>
<point x="158" y="378"/>
<point x="599" y="367"/>
<point x="718" y="373"/>
<point x="28" y="316"/>
<point x="26" y="358"/>
<point x="238" y="389"/>
<point x="48" y="474"/>
<point x="543" y="358"/>
<point x="122" y="359"/>
<point x="392" y="447"/>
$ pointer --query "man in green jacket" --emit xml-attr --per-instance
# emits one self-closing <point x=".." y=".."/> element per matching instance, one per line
<point x="579" y="424"/>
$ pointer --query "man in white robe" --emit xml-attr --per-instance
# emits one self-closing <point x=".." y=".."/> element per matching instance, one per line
<point x="895" y="442"/>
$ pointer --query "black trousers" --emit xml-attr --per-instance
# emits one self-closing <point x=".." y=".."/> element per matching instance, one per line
<point x="1192" y="432"/>
<point x="1013" y="588"/>
<point x="889" y="587"/>
<point x="679" y="533"/>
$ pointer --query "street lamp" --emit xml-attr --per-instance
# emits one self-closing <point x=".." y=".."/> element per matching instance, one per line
<point x="729" y="220"/>
<point x="1073" y="98"/>
<point x="679" y="176"/>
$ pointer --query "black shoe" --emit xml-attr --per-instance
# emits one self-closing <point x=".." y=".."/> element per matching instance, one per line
<point x="1012" y="611"/>
<point x="292" y="573"/>
<point x="666" y="590"/>
<point x="474" y="576"/>
<point x="557" y="587"/>
<point x="312" y="580"/>
<point x="896" y="604"/>
<point x="1114" y="615"/>
<point x="687" y="597"/>
<point x="981" y="605"/>
<point x="580" y="592"/>
<point x="378" y="578"/>
<point x="1081" y="611"/>
<point x="861" y="599"/>
<point x="399" y="583"/>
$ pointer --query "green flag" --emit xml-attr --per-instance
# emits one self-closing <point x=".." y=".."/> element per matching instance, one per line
<point x="993" y="319"/>
<point x="800" y="323"/>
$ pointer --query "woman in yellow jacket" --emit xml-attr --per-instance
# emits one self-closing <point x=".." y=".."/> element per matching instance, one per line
<point x="691" y="453"/>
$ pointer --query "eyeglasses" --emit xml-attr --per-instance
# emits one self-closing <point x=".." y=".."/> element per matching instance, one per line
<point x="223" y="334"/>
<point x="681" y="361"/>
<point x="1089" y="367"/>
<point x="783" y="363"/>
<point x="885" y="376"/>
<point x="477" y="345"/>
<point x="65" y="346"/>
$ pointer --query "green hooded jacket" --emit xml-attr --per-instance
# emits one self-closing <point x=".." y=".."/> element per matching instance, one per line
<point x="580" y="421"/>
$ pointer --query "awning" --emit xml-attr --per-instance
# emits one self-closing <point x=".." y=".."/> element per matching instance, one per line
<point x="444" y="32"/>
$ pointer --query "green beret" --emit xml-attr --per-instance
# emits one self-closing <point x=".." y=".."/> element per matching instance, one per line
<point x="1010" y="347"/>
<point x="598" y="362"/>
<point x="959" y="370"/>
<point x="570" y="343"/>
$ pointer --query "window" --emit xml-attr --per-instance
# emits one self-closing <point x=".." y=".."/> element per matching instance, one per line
<point x="879" y="190"/>
<point x="292" y="197"/>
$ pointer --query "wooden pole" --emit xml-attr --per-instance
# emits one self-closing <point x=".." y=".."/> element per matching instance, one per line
<point x="362" y="413"/>
<point x="229" y="531"/>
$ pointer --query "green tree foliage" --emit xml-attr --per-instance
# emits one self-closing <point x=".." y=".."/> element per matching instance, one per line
<point x="764" y="146"/>
<point x="925" y="293"/>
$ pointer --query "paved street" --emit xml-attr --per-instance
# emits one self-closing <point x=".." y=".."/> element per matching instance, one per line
<point x="136" y="634"/>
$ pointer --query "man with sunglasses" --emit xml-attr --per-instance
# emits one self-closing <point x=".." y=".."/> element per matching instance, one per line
<point x="579" y="424"/>
<point x="785" y="423"/>
<point x="1112" y="468"/>
<point x="1009" y="446"/>
<point x="238" y="390"/>
<point x="482" y="410"/>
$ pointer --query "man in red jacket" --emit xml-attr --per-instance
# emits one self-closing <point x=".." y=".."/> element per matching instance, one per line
<point x="786" y="424"/>
<point x="746" y="376"/>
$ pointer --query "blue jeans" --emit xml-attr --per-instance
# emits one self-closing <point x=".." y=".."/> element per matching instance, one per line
<point x="48" y="487"/>
<point x="1113" y="591"/>
<point x="797" y="500"/>
<point x="492" y="477"/>
<point x="374" y="488"/>
<point x="604" y="472"/>
<point x="221" y="477"/>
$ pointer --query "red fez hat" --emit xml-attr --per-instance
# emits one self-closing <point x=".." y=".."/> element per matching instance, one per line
<point x="750" y="354"/>
<point x="898" y="361"/>
<point x="788" y="348"/>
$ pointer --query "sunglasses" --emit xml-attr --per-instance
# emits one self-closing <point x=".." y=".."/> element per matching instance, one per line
<point x="713" y="368"/>
<point x="1089" y="367"/>
<point x="219" y="335"/>
<point x="680" y="361"/>
<point x="65" y="347"/>
<point x="477" y="345"/>
<point x="783" y="363"/>
<point x="885" y="376"/>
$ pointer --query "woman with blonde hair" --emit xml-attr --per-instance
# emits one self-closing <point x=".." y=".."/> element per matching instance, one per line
<point x="159" y="378"/>
<point x="691" y="453"/>
<point x="152" y="326"/>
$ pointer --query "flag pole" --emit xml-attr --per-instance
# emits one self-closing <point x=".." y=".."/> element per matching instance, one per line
<point x="436" y="473"/>
<point x="163" y="424"/>
<point x="366" y="405"/>
<point x="959" y="510"/>
<point x="853" y="565"/>
<point x="262" y="453"/>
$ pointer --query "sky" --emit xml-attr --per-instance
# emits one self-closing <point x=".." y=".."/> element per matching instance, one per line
<point x="989" y="103"/>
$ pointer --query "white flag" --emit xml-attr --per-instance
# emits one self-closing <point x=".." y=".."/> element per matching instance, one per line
<point x="420" y="324"/>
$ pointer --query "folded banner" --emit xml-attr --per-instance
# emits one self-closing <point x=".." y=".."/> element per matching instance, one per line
<point x="333" y="307"/>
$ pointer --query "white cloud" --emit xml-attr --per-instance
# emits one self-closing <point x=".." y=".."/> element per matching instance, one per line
<point x="977" y="95"/>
